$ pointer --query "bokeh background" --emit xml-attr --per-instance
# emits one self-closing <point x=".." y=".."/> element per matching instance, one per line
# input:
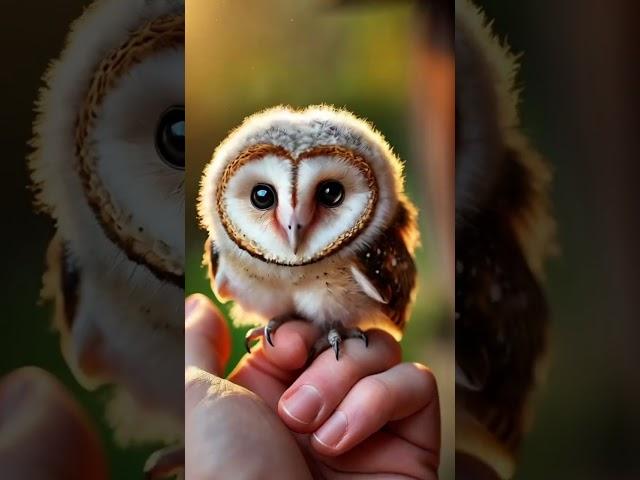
<point x="577" y="79"/>
<point x="244" y="56"/>
<point x="577" y="73"/>
<point x="32" y="37"/>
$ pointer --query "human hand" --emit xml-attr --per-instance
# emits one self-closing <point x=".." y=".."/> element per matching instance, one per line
<point x="386" y="414"/>
<point x="229" y="431"/>
<point x="44" y="433"/>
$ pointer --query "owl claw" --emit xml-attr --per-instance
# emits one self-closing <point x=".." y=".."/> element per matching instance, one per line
<point x="253" y="334"/>
<point x="362" y="336"/>
<point x="273" y="325"/>
<point x="267" y="331"/>
<point x="335" y="339"/>
<point x="267" y="335"/>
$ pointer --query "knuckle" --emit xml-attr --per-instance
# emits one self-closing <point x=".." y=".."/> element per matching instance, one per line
<point x="425" y="379"/>
<point x="378" y="392"/>
<point x="382" y="346"/>
<point x="428" y="463"/>
<point x="393" y="351"/>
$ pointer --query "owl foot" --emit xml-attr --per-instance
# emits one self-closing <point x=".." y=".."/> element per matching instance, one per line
<point x="333" y="339"/>
<point x="267" y="331"/>
<point x="164" y="463"/>
<point x="357" y="333"/>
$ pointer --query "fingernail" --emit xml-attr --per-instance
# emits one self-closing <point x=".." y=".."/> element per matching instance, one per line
<point x="333" y="430"/>
<point x="191" y="305"/>
<point x="304" y="405"/>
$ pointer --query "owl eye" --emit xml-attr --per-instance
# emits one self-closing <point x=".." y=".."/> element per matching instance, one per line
<point x="263" y="196"/>
<point x="170" y="137"/>
<point x="330" y="193"/>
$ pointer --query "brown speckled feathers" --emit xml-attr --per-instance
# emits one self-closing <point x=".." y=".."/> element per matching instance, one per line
<point x="389" y="265"/>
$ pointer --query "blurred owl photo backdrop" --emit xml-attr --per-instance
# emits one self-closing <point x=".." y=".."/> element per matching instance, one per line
<point x="137" y="131"/>
<point x="96" y="310"/>
<point x="245" y="57"/>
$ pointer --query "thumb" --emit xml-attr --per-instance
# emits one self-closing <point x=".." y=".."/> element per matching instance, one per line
<point x="207" y="337"/>
<point x="231" y="433"/>
<point x="44" y="434"/>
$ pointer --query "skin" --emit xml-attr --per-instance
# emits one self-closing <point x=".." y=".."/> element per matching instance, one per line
<point x="391" y="409"/>
<point x="44" y="433"/>
<point x="251" y="425"/>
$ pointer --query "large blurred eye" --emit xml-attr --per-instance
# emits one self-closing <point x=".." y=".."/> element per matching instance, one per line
<point x="330" y="193"/>
<point x="263" y="196"/>
<point x="170" y="137"/>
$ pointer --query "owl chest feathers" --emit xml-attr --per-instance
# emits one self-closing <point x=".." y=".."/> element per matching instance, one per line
<point x="321" y="293"/>
<point x="372" y="287"/>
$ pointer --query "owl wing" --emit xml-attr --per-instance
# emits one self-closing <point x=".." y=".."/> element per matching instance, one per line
<point x="61" y="284"/>
<point x="215" y="271"/>
<point x="501" y="323"/>
<point x="210" y="259"/>
<point x="385" y="270"/>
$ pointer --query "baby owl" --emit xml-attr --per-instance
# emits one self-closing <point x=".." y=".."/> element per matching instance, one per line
<point x="307" y="218"/>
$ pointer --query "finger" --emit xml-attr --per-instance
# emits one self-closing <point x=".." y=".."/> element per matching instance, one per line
<point x="44" y="434"/>
<point x="268" y="370"/>
<point x="385" y="452"/>
<point x="207" y="337"/>
<point x="319" y="389"/>
<point x="255" y="373"/>
<point x="423" y="427"/>
<point x="292" y="343"/>
<point x="373" y="402"/>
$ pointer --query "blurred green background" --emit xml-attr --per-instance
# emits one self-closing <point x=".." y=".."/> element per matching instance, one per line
<point x="244" y="56"/>
<point x="575" y="78"/>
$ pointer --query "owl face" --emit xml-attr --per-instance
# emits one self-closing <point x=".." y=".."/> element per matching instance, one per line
<point x="131" y="145"/>
<point x="112" y="121"/>
<point x="293" y="187"/>
<point x="297" y="209"/>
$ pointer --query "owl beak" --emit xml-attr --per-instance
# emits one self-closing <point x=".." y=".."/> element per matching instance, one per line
<point x="293" y="232"/>
<point x="293" y="239"/>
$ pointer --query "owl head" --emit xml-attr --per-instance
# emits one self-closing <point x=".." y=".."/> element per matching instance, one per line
<point x="109" y="138"/>
<point x="292" y="187"/>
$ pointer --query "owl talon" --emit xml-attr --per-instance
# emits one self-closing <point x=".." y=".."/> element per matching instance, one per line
<point x="335" y="339"/>
<point x="273" y="325"/>
<point x="357" y="333"/>
<point x="164" y="463"/>
<point x="253" y="334"/>
<point x="267" y="331"/>
<point x="267" y="335"/>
